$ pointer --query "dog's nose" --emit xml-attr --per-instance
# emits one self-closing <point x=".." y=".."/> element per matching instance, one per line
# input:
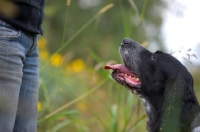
<point x="127" y="41"/>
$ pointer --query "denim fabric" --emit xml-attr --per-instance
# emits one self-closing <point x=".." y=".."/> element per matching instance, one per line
<point x="18" y="80"/>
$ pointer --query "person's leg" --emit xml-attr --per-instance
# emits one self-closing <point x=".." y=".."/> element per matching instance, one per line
<point x="18" y="80"/>
<point x="10" y="76"/>
<point x="26" y="118"/>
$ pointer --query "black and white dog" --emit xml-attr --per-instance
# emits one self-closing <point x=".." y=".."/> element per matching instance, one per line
<point x="164" y="86"/>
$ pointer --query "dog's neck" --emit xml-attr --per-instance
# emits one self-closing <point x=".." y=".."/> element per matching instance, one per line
<point x="152" y="113"/>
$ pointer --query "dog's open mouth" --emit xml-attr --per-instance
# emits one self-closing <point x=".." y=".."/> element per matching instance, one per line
<point x="122" y="75"/>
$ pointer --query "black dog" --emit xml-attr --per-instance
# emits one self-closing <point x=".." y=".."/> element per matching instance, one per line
<point x="163" y="84"/>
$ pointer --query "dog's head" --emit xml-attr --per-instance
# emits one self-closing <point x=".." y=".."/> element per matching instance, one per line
<point x="144" y="71"/>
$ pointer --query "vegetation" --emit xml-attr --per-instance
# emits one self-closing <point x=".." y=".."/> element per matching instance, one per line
<point x="80" y="37"/>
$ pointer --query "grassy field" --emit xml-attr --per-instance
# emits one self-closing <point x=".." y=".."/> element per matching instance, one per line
<point x="78" y="95"/>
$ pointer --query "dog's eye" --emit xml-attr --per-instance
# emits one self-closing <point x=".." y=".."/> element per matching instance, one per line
<point x="153" y="57"/>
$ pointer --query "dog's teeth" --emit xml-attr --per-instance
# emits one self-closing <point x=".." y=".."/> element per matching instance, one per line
<point x="137" y="79"/>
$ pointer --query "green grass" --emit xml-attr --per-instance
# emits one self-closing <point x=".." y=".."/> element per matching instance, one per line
<point x="87" y="100"/>
<point x="77" y="95"/>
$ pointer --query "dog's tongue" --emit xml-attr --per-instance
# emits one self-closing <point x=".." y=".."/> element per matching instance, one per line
<point x="120" y="67"/>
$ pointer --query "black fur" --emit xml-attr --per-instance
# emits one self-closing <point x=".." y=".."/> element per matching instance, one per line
<point x="165" y="84"/>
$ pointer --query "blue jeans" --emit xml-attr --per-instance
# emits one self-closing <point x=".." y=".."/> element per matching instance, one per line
<point x="18" y="80"/>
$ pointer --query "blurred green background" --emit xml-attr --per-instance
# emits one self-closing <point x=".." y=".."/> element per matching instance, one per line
<point x="81" y="36"/>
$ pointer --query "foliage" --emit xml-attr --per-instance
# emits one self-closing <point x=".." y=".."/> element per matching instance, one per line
<point x="75" y="93"/>
<point x="141" y="21"/>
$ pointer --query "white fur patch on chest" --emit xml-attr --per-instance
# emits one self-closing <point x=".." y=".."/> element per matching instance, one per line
<point x="196" y="129"/>
<point x="147" y="105"/>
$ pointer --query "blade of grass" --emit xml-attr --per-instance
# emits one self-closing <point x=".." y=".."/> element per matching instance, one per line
<point x="143" y="10"/>
<point x="115" y="109"/>
<point x="57" y="127"/>
<point x="126" y="27"/>
<point x="103" y="10"/>
<point x="56" y="75"/>
<point x="65" y="26"/>
<point x="135" y="10"/>
<point x="46" y="94"/>
<point x="127" y="115"/>
<point x="106" y="106"/>
<point x="99" y="61"/>
<point x="97" y="116"/>
<point x="77" y="99"/>
<point x="72" y="112"/>
<point x="138" y="122"/>
<point x="94" y="55"/>
<point x="116" y="117"/>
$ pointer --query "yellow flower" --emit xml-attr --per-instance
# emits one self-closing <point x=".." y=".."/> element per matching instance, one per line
<point x="81" y="106"/>
<point x="43" y="54"/>
<point x="39" y="106"/>
<point x="56" y="59"/>
<point x="42" y="42"/>
<point x="76" y="66"/>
